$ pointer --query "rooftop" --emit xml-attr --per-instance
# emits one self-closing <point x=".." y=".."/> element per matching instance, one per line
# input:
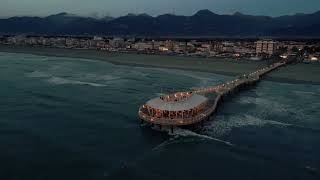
<point x="191" y="102"/>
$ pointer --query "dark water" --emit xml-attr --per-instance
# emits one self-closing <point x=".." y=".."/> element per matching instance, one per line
<point x="63" y="118"/>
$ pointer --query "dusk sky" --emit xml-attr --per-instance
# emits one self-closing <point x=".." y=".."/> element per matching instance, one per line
<point x="155" y="7"/>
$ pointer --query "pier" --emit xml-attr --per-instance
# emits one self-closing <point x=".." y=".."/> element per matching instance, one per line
<point x="194" y="107"/>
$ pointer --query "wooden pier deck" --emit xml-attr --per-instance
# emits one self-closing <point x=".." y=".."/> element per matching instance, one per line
<point x="222" y="90"/>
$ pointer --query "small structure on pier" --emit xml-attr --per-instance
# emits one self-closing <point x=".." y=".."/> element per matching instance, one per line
<point x="182" y="108"/>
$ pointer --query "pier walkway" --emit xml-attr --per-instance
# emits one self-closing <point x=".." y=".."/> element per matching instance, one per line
<point x="211" y="106"/>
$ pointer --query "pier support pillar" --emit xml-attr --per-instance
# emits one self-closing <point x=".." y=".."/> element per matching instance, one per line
<point x="160" y="127"/>
<point x="172" y="129"/>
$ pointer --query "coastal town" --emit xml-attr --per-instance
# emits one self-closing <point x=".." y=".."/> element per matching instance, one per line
<point x="251" y="49"/>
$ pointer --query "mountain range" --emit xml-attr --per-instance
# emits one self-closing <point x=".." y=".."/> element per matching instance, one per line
<point x="204" y="23"/>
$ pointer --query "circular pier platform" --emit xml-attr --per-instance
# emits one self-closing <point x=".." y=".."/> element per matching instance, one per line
<point x="179" y="109"/>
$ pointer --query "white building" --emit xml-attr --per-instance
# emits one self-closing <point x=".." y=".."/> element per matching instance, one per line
<point x="142" y="46"/>
<point x="265" y="47"/>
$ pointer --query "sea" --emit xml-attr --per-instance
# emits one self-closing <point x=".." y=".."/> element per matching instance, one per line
<point x="67" y="118"/>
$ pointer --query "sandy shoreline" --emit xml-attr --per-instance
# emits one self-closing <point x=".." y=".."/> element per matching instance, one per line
<point x="300" y="73"/>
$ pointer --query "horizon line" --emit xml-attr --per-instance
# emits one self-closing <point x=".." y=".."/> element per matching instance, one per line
<point x="137" y="14"/>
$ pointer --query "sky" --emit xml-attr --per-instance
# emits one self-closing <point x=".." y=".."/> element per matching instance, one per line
<point x="117" y="8"/>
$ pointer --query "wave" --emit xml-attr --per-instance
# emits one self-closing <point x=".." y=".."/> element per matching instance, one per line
<point x="303" y="93"/>
<point x="178" y="132"/>
<point x="106" y="77"/>
<point x="165" y="143"/>
<point x="61" y="81"/>
<point x="266" y="104"/>
<point x="160" y="94"/>
<point x="266" y="107"/>
<point x="223" y="126"/>
<point x="37" y="74"/>
<point x="205" y="78"/>
<point x="139" y="73"/>
<point x="312" y="169"/>
<point x="55" y="67"/>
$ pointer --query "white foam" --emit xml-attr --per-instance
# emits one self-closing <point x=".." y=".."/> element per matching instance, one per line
<point x="61" y="81"/>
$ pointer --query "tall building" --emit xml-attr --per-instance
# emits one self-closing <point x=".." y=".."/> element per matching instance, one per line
<point x="117" y="43"/>
<point x="265" y="47"/>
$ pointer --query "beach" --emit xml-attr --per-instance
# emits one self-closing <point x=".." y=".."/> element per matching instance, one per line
<point x="298" y="73"/>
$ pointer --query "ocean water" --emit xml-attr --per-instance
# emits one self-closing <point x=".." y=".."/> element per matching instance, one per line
<point x="64" y="118"/>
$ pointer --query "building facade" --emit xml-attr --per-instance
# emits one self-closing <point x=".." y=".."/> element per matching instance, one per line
<point x="265" y="47"/>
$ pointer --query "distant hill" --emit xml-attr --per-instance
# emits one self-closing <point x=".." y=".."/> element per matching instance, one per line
<point x="202" y="23"/>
